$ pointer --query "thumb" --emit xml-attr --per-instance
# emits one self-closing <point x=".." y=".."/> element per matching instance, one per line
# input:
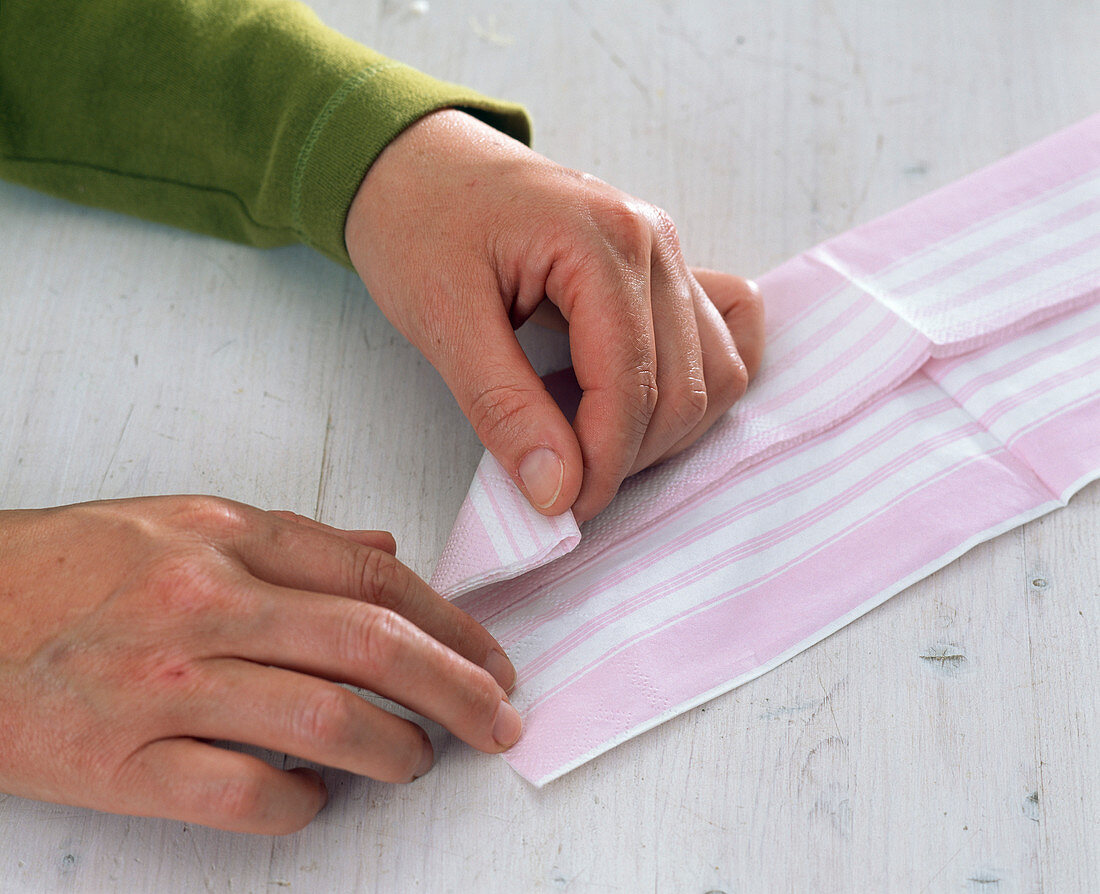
<point x="510" y="409"/>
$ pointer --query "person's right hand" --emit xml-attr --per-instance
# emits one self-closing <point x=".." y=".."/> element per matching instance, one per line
<point x="135" y="632"/>
<point x="461" y="234"/>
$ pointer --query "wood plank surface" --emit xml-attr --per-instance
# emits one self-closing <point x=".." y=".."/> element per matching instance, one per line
<point x="945" y="742"/>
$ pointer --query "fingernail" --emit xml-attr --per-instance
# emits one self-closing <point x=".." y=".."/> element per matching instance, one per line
<point x="502" y="670"/>
<point x="542" y="473"/>
<point x="426" y="761"/>
<point x="506" y="725"/>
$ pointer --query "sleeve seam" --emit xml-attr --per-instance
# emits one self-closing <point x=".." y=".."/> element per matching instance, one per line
<point x="334" y="102"/>
<point x="149" y="178"/>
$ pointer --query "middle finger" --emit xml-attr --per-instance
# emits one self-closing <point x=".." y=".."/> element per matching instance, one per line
<point x="355" y="642"/>
<point x="681" y="387"/>
<point x="303" y="557"/>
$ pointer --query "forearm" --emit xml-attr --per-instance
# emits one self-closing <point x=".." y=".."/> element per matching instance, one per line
<point x="245" y="119"/>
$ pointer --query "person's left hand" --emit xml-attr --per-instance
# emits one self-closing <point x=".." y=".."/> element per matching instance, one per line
<point x="136" y="634"/>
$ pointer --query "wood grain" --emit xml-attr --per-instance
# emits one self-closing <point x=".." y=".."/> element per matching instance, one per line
<point x="945" y="742"/>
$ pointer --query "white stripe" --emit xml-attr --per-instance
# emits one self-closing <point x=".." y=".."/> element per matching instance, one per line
<point x="1043" y="287"/>
<point x="984" y="234"/>
<point x="479" y="499"/>
<point x="817" y="636"/>
<point x="767" y="561"/>
<point x="978" y="362"/>
<point x="946" y="291"/>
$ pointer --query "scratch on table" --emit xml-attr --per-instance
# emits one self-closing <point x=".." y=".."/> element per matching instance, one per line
<point x="788" y="711"/>
<point x="489" y="33"/>
<point x="324" y="467"/>
<point x="849" y="48"/>
<point x="949" y="861"/>
<point x="612" y="56"/>
<point x="620" y="64"/>
<point x="950" y="659"/>
<point x="114" y="453"/>
<point x="827" y="701"/>
<point x="198" y="860"/>
<point x="221" y="347"/>
<point x="867" y="181"/>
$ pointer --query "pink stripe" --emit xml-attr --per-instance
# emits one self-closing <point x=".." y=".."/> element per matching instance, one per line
<point x="1066" y="299"/>
<point x="502" y="608"/>
<point x="849" y="310"/>
<point x="477" y="553"/>
<point x="738" y="553"/>
<point x="836" y="365"/>
<point x="741" y="453"/>
<point x="1078" y="429"/>
<point x="703" y="530"/>
<point x="1014" y="275"/>
<point x="475" y="528"/>
<point x="497" y="606"/>
<point x="787" y="434"/>
<point x="1077" y="434"/>
<point x="1007" y="404"/>
<point x="1012" y="241"/>
<point x="1066" y="409"/>
<point x="562" y="527"/>
<point x="794" y="290"/>
<point x="708" y="648"/>
<point x="724" y="519"/>
<point x="523" y="511"/>
<point x="1007" y="186"/>
<point x="964" y="392"/>
<point x="981" y="198"/>
<point x="748" y="630"/>
<point x="488" y="490"/>
<point x="998" y="452"/>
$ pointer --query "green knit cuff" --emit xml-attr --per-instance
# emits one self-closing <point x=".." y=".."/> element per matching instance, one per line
<point x="359" y="120"/>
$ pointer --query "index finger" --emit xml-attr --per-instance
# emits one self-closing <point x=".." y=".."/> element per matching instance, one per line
<point x="298" y="556"/>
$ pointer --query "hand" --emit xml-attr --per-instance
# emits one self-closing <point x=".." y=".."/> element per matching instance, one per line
<point x="460" y="233"/>
<point x="133" y="632"/>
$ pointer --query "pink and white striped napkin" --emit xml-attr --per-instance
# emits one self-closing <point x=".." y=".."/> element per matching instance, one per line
<point x="932" y="379"/>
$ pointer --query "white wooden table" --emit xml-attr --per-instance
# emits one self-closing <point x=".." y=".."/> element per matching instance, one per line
<point x="948" y="741"/>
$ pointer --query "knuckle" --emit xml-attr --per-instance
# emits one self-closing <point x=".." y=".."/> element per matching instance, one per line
<point x="734" y="380"/>
<point x="741" y="305"/>
<point x="211" y="516"/>
<point x="626" y="226"/>
<point x="497" y="410"/>
<point x="752" y="301"/>
<point x="382" y="579"/>
<point x="411" y="751"/>
<point x="482" y="698"/>
<point x="240" y="798"/>
<point x="378" y="576"/>
<point x="175" y="673"/>
<point x="373" y="639"/>
<point x="665" y="229"/>
<point x="488" y="698"/>
<point x="326" y="716"/>
<point x="643" y="395"/>
<point x="727" y="381"/>
<point x="691" y="404"/>
<point x="180" y="584"/>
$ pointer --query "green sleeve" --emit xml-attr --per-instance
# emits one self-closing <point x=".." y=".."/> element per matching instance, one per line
<point x="245" y="119"/>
